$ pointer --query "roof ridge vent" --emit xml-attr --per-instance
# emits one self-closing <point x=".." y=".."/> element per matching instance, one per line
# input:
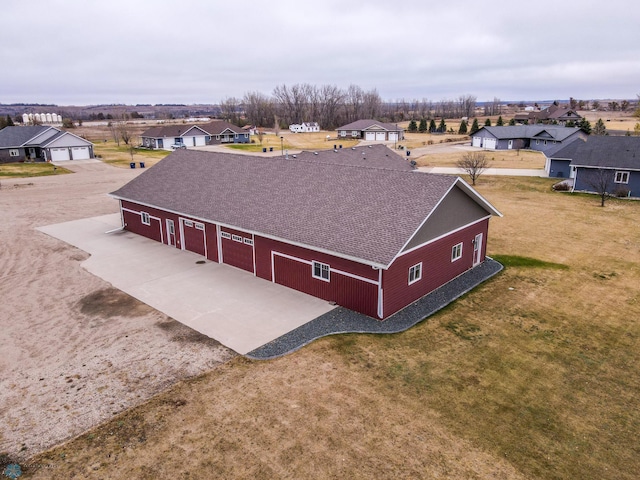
<point x="315" y="153"/>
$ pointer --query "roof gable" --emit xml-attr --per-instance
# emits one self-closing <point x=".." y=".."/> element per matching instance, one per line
<point x="369" y="124"/>
<point x="606" y="152"/>
<point x="328" y="207"/>
<point x="167" y="131"/>
<point x="15" y="136"/>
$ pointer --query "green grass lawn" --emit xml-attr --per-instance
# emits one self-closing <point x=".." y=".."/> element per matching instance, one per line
<point x="23" y="170"/>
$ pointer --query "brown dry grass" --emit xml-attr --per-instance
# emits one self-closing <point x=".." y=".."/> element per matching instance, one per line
<point x="496" y="159"/>
<point x="531" y="375"/>
<point x="120" y="156"/>
<point x="26" y="169"/>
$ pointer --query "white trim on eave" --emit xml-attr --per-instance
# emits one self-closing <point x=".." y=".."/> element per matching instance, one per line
<point x="606" y="168"/>
<point x="253" y="232"/>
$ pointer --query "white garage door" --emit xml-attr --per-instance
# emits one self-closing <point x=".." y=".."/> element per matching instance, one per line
<point x="370" y="136"/>
<point x="80" y="153"/>
<point x="477" y="141"/>
<point x="380" y="136"/>
<point x="393" y="136"/>
<point x="490" y="143"/>
<point x="59" y="154"/>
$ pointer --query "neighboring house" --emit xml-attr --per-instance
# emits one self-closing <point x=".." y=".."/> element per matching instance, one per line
<point x="534" y="137"/>
<point x="224" y="132"/>
<point x="372" y="130"/>
<point x="42" y="143"/>
<point x="553" y="114"/>
<point x="619" y="157"/>
<point x="304" y="127"/>
<point x="170" y="137"/>
<point x="373" y="240"/>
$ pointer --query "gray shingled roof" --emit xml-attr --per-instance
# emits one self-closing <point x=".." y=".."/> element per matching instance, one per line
<point x="604" y="151"/>
<point x="529" y="131"/>
<point x="218" y="126"/>
<point x="362" y="213"/>
<point x="364" y="124"/>
<point x="375" y="156"/>
<point x="565" y="152"/>
<point x="18" y="136"/>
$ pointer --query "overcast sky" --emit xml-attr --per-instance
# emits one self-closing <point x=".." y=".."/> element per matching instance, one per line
<point x="79" y="52"/>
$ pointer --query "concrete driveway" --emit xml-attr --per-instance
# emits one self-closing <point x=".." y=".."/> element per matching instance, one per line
<point x="237" y="309"/>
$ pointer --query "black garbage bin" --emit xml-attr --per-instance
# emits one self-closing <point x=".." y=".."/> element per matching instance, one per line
<point x="408" y="153"/>
<point x="264" y="149"/>
<point x="141" y="164"/>
<point x="271" y="149"/>
<point x="132" y="164"/>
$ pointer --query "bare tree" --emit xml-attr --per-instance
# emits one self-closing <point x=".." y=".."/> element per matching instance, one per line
<point x="125" y="133"/>
<point x="474" y="163"/>
<point x="230" y="109"/>
<point x="113" y="128"/>
<point x="600" y="180"/>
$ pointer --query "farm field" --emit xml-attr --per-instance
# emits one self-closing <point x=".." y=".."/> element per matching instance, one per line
<point x="532" y="375"/>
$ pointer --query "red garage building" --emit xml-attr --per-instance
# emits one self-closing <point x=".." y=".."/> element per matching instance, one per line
<point x="352" y="226"/>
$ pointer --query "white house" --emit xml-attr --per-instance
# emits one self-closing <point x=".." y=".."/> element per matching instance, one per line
<point x="304" y="127"/>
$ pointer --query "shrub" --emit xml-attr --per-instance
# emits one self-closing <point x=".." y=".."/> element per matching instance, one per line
<point x="561" y="187"/>
<point x="621" y="192"/>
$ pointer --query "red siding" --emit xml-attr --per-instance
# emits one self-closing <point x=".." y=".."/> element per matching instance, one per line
<point x="353" y="293"/>
<point x="349" y="292"/>
<point x="194" y="238"/>
<point x="237" y="254"/>
<point x="437" y="267"/>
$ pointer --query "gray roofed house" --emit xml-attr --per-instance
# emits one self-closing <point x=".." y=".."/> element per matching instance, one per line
<point x="618" y="156"/>
<point x="170" y="137"/>
<point x="225" y="132"/>
<point x="42" y="143"/>
<point x="372" y="130"/>
<point x="339" y="225"/>
<point x="535" y="137"/>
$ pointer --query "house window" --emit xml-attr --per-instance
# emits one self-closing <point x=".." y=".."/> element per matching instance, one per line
<point x="321" y="271"/>
<point x="537" y="142"/>
<point x="200" y="226"/>
<point x="177" y="141"/>
<point x="217" y="137"/>
<point x="622" y="177"/>
<point x="225" y="235"/>
<point x="415" y="273"/>
<point x="343" y="133"/>
<point x="248" y="241"/>
<point x="14" y="153"/>
<point x="236" y="238"/>
<point x="146" y="219"/>
<point x="354" y="133"/>
<point x="456" y="252"/>
<point x="188" y="223"/>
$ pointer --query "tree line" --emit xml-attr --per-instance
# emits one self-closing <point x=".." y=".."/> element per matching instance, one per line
<point x="332" y="106"/>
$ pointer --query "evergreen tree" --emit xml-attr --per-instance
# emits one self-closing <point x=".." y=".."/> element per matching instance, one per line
<point x="474" y="126"/>
<point x="570" y="123"/>
<point x="432" y="126"/>
<point x="585" y="126"/>
<point x="463" y="128"/>
<point x="423" y="125"/>
<point x="500" y="122"/>
<point x="487" y="122"/>
<point x="600" y="128"/>
<point x="10" y="121"/>
<point x="412" y="126"/>
<point x="512" y="122"/>
<point x="442" y="127"/>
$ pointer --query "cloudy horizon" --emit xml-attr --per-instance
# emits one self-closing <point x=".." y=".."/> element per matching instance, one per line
<point x="70" y="52"/>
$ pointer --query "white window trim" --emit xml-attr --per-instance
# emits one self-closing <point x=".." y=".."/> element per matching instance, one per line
<point x="236" y="238"/>
<point x="188" y="223"/>
<point x="146" y="218"/>
<point x="14" y="152"/>
<point x="248" y="241"/>
<point x="456" y="252"/>
<point x="412" y="273"/>
<point x="621" y="177"/>
<point x="323" y="268"/>
<point x="225" y="235"/>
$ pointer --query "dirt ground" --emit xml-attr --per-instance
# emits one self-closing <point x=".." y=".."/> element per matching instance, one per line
<point x="75" y="351"/>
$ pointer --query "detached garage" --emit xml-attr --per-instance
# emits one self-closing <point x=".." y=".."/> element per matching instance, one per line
<point x="396" y="237"/>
